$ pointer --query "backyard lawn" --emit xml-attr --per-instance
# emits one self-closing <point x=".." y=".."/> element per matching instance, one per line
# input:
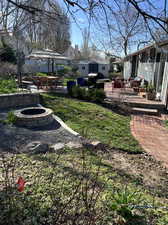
<point x="94" y="122"/>
<point x="105" y="185"/>
<point x="82" y="187"/>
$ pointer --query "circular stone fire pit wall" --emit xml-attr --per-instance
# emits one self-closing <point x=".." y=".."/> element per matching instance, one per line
<point x="33" y="117"/>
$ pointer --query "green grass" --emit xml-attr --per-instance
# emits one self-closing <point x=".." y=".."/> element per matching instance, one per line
<point x="166" y="123"/>
<point x="94" y="121"/>
<point x="51" y="180"/>
<point x="7" y="86"/>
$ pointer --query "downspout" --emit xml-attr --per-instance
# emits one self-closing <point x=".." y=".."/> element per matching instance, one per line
<point x="52" y="65"/>
<point x="155" y="79"/>
<point x="48" y="65"/>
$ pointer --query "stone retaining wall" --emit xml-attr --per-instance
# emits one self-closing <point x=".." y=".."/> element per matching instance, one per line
<point x="18" y="99"/>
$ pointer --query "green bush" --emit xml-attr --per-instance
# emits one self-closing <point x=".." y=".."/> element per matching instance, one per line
<point x="11" y="118"/>
<point x="95" y="95"/>
<point x="124" y="201"/>
<point x="80" y="93"/>
<point x="7" y="86"/>
<point x="113" y="75"/>
<point x="7" y="54"/>
<point x="41" y="74"/>
<point x="64" y="70"/>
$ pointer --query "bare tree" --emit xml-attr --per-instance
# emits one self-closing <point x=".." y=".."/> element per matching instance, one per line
<point x="145" y="9"/>
<point x="127" y="26"/>
<point x="43" y="23"/>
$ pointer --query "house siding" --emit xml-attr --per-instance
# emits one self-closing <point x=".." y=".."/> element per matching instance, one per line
<point x="165" y="84"/>
<point x="85" y="72"/>
<point x="146" y="70"/>
<point x="104" y="71"/>
<point x="35" y="66"/>
<point x="127" y="69"/>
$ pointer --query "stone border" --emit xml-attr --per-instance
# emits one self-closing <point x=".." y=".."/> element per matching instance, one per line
<point x="63" y="124"/>
<point x="18" y="100"/>
<point x="36" y="120"/>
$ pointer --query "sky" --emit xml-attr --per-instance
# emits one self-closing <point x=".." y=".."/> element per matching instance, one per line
<point x="76" y="32"/>
<point x="81" y="23"/>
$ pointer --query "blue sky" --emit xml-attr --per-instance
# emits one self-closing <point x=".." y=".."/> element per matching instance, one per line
<point x="76" y="32"/>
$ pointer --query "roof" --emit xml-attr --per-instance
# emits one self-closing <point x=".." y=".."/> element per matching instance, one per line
<point x="45" y="54"/>
<point x="93" y="62"/>
<point x="154" y="45"/>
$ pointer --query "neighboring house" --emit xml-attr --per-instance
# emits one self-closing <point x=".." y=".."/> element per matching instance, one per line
<point x="150" y="63"/>
<point x="44" y="61"/>
<point x="95" y="66"/>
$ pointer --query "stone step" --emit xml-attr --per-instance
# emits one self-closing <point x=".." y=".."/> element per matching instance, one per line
<point x="154" y="112"/>
<point x="146" y="105"/>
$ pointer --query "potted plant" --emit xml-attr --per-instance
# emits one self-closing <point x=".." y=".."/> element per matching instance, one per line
<point x="142" y="91"/>
<point x="151" y="93"/>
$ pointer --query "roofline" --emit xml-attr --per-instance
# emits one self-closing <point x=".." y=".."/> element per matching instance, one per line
<point x="160" y="44"/>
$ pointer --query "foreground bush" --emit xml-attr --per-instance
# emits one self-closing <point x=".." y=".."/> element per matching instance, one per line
<point x="71" y="190"/>
<point x="7" y="86"/>
<point x="94" y="95"/>
<point x="7" y="70"/>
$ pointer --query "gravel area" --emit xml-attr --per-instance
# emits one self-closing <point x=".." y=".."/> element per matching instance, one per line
<point x="14" y="138"/>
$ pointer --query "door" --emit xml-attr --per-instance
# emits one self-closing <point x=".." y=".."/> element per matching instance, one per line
<point x="93" y="68"/>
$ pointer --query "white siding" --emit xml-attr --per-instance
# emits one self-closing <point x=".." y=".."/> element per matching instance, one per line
<point x="165" y="84"/>
<point x="83" y="72"/>
<point x="146" y="70"/>
<point x="127" y="69"/>
<point x="104" y="71"/>
<point x="34" y="66"/>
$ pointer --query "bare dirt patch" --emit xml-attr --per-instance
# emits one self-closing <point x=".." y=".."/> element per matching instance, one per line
<point x="141" y="169"/>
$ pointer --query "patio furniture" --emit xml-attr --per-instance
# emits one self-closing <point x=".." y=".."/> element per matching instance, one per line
<point x="70" y="84"/>
<point x="48" y="82"/>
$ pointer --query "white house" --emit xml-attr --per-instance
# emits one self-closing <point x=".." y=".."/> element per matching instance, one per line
<point x="85" y="67"/>
<point x="151" y="63"/>
<point x="44" y="61"/>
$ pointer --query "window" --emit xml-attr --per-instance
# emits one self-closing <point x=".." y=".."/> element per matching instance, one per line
<point x="144" y="57"/>
<point x="152" y="55"/>
<point x="83" y="67"/>
<point x="103" y="68"/>
<point x="158" y="57"/>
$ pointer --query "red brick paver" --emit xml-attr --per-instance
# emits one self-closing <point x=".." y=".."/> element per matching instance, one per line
<point x="148" y="130"/>
<point x="152" y="135"/>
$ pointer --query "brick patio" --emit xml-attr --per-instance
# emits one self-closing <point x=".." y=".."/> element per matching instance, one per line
<point x="152" y="135"/>
<point x="148" y="130"/>
<point x="129" y="96"/>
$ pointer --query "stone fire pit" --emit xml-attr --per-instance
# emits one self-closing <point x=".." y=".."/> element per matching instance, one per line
<point x="33" y="117"/>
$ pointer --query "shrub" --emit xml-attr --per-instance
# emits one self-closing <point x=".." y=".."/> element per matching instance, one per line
<point x="11" y="118"/>
<point x="151" y="88"/>
<point x="41" y="74"/>
<point x="113" y="75"/>
<point x="78" y="92"/>
<point x="95" y="95"/>
<point x="7" y="54"/>
<point x="64" y="70"/>
<point x="124" y="201"/>
<point x="7" y="70"/>
<point x="7" y="86"/>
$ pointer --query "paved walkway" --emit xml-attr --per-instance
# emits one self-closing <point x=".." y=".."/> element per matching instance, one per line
<point x="152" y="135"/>
<point x="148" y="130"/>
